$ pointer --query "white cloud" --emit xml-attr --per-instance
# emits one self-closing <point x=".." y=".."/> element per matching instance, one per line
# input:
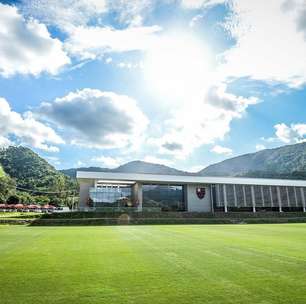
<point x="201" y="122"/>
<point x="130" y="65"/>
<point x="4" y="142"/>
<point x="67" y="13"/>
<point x="27" y="129"/>
<point x="131" y="12"/>
<point x="270" y="46"/>
<point x="53" y="159"/>
<point x="260" y="147"/>
<point x="196" y="4"/>
<point x="290" y="134"/>
<point x="80" y="164"/>
<point x="26" y="46"/>
<point x="107" y="161"/>
<point x="222" y="150"/>
<point x="90" y="42"/>
<point x="96" y="119"/>
<point x="64" y="14"/>
<point x="196" y="19"/>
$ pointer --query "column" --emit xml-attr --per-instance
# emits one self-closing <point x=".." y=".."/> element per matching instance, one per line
<point x="137" y="195"/>
<point x="217" y="196"/>
<point x="212" y="191"/>
<point x="244" y="196"/>
<point x="235" y="196"/>
<point x="295" y="197"/>
<point x="303" y="199"/>
<point x="253" y="198"/>
<point x="288" y="198"/>
<point x="279" y="199"/>
<point x="85" y="185"/>
<point x="225" y="198"/>
<point x="262" y="196"/>
<point x="271" y="196"/>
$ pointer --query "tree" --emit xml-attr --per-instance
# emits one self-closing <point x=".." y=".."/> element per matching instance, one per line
<point x="13" y="199"/>
<point x="26" y="198"/>
<point x="7" y="186"/>
<point x="42" y="199"/>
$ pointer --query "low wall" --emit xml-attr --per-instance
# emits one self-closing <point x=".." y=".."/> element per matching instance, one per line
<point x="144" y="218"/>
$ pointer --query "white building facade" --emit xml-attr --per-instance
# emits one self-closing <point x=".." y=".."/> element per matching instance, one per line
<point x="150" y="192"/>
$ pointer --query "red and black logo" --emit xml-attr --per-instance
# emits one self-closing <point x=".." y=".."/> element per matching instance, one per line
<point x="200" y="192"/>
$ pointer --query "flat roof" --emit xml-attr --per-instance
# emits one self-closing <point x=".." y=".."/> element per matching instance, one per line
<point x="181" y="179"/>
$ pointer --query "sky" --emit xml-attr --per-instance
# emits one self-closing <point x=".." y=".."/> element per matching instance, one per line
<point x="184" y="83"/>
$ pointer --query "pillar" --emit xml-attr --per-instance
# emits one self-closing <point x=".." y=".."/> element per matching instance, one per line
<point x="225" y="198"/>
<point x="137" y="195"/>
<point x="253" y="199"/>
<point x="262" y="196"/>
<point x="212" y="189"/>
<point x="271" y="196"/>
<point x="244" y="195"/>
<point x="85" y="185"/>
<point x="279" y="199"/>
<point x="235" y="196"/>
<point x="288" y="197"/>
<point x="303" y="199"/>
<point x="295" y="197"/>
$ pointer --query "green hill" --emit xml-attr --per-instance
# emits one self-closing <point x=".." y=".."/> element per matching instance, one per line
<point x="136" y="166"/>
<point x="284" y="162"/>
<point x="2" y="174"/>
<point x="35" y="174"/>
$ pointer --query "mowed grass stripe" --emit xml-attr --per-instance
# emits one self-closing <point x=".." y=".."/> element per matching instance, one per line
<point x="154" y="264"/>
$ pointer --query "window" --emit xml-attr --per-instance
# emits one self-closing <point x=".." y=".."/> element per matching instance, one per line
<point x="164" y="197"/>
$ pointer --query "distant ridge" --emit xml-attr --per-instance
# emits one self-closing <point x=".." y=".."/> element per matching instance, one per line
<point x="136" y="166"/>
<point x="283" y="162"/>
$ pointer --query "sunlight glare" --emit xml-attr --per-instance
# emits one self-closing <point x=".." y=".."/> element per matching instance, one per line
<point x="178" y="67"/>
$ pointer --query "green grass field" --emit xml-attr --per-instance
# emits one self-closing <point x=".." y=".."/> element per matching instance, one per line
<point x="153" y="264"/>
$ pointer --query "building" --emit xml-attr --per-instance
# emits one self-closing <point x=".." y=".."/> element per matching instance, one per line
<point x="189" y="193"/>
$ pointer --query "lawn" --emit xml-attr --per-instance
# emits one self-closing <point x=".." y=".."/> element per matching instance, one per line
<point x="153" y="264"/>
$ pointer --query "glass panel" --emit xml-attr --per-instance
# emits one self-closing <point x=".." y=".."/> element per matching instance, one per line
<point x="258" y="196"/>
<point x="267" y="196"/>
<point x="165" y="197"/>
<point x="230" y="195"/>
<point x="220" y="196"/>
<point x="111" y="196"/>
<point x="240" y="197"/>
<point x="248" y="194"/>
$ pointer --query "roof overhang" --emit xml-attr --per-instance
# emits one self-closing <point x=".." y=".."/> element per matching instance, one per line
<point x="180" y="179"/>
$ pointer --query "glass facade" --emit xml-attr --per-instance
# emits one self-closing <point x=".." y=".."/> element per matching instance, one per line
<point x="111" y="196"/>
<point x="164" y="197"/>
<point x="245" y="197"/>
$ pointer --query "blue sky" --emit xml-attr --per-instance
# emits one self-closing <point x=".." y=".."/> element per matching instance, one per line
<point x="184" y="83"/>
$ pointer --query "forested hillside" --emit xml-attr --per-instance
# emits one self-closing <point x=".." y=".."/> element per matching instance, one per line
<point x="284" y="162"/>
<point x="34" y="176"/>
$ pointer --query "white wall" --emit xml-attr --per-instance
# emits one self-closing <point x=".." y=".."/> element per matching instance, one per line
<point x="194" y="203"/>
<point x="84" y="191"/>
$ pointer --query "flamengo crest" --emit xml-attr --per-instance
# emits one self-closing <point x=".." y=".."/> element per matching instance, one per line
<point x="200" y="192"/>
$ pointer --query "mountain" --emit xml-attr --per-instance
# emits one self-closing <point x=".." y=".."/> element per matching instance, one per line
<point x="145" y="167"/>
<point x="131" y="167"/>
<point x="30" y="170"/>
<point x="72" y="171"/>
<point x="283" y="162"/>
